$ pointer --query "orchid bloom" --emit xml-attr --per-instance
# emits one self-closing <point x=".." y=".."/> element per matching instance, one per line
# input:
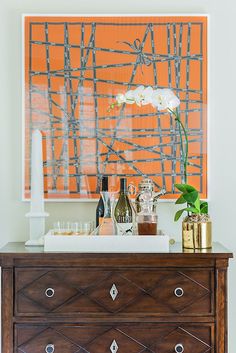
<point x="129" y="97"/>
<point x="135" y="96"/>
<point x="147" y="95"/>
<point x="165" y="99"/>
<point x="120" y="98"/>
<point x="162" y="99"/>
<point x="140" y="96"/>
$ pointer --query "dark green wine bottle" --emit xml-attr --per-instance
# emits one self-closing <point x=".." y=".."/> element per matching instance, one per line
<point x="123" y="210"/>
<point x="100" y="206"/>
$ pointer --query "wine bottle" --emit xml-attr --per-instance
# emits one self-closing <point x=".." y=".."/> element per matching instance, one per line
<point x="100" y="205"/>
<point x="123" y="210"/>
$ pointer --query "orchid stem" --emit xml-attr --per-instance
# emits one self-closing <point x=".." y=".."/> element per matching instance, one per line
<point x="186" y="151"/>
<point x="185" y="161"/>
<point x="181" y="141"/>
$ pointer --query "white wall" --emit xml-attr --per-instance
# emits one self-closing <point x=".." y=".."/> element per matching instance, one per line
<point x="222" y="88"/>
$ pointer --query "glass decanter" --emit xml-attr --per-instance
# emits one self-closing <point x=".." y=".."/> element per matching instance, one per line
<point x="108" y="225"/>
<point x="147" y="185"/>
<point x="147" y="218"/>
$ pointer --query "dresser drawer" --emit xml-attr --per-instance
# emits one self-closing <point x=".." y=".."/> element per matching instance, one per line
<point x="129" y="338"/>
<point x="123" y="292"/>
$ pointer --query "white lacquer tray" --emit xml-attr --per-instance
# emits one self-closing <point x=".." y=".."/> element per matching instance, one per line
<point x="107" y="244"/>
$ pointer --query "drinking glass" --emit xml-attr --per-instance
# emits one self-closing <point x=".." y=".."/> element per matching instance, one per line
<point x="62" y="228"/>
<point x="58" y="228"/>
<point x="82" y="227"/>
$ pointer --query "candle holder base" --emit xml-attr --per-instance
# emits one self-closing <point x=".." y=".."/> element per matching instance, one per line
<point x="37" y="228"/>
<point x="37" y="242"/>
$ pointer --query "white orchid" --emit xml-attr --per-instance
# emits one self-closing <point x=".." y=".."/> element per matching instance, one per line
<point x="135" y="96"/>
<point x="160" y="98"/>
<point x="129" y="97"/>
<point x="172" y="99"/>
<point x="141" y="96"/>
<point x="164" y="99"/>
<point x="147" y="95"/>
<point x="120" y="98"/>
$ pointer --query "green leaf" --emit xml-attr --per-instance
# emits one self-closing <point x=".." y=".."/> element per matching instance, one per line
<point x="185" y="187"/>
<point x="203" y="207"/>
<point x="197" y="204"/>
<point x="180" y="200"/>
<point x="190" y="188"/>
<point x="192" y="209"/>
<point x="203" y="203"/>
<point x="204" y="210"/>
<point x="187" y="209"/>
<point x="179" y="214"/>
<point x="181" y="187"/>
<point x="191" y="197"/>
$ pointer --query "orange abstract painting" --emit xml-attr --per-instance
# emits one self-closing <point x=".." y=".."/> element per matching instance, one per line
<point x="75" y="67"/>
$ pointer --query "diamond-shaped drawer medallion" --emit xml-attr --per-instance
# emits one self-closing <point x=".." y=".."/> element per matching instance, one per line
<point x="113" y="292"/>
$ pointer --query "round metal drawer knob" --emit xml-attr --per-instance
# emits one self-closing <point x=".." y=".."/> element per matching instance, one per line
<point x="179" y="348"/>
<point x="179" y="292"/>
<point x="50" y="348"/>
<point x="49" y="292"/>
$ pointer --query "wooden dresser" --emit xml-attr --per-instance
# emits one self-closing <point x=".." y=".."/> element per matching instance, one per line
<point x="114" y="303"/>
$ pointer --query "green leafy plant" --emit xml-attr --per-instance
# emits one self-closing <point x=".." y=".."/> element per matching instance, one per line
<point x="190" y="196"/>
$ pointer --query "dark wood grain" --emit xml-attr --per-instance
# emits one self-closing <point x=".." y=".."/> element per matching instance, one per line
<point x="140" y="291"/>
<point x="7" y="310"/>
<point x="145" y="316"/>
<point x="221" y="306"/>
<point x="133" y="338"/>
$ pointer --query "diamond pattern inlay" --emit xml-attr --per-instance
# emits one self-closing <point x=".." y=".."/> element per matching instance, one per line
<point x="39" y="342"/>
<point x="113" y="292"/>
<point x="114" y="347"/>
<point x="101" y="293"/>
<point x="132" y="338"/>
<point x="192" y="291"/>
<point x="35" y="291"/>
<point x="187" y="340"/>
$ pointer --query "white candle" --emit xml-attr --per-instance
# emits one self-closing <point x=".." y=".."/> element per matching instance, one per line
<point x="37" y="184"/>
<point x="37" y="215"/>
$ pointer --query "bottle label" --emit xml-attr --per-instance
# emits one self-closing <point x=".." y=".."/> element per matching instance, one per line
<point x="100" y="220"/>
<point x="125" y="228"/>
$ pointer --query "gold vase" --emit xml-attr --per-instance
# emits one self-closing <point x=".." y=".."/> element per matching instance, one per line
<point x="197" y="235"/>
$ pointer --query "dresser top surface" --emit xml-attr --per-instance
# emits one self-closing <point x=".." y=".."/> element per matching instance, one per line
<point x="16" y="249"/>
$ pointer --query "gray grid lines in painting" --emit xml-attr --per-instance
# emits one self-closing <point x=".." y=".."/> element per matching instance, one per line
<point x="201" y="104"/>
<point x="158" y="116"/>
<point x="73" y="129"/>
<point x="122" y="109"/>
<point x="50" y="104"/>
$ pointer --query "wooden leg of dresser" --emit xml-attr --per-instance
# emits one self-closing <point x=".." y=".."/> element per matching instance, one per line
<point x="221" y="309"/>
<point x="7" y="310"/>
